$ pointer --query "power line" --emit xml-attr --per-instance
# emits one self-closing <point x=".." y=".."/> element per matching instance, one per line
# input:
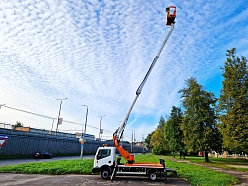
<point x="28" y="112"/>
<point x="36" y="114"/>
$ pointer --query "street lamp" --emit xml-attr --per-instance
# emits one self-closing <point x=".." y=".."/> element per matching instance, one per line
<point x="59" y="112"/>
<point x="132" y="139"/>
<point x="83" y="136"/>
<point x="100" y="127"/>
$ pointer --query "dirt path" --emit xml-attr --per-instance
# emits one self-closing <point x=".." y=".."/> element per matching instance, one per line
<point x="242" y="176"/>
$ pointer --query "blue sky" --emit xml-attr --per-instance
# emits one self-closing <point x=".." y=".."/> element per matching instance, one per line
<point x="96" y="53"/>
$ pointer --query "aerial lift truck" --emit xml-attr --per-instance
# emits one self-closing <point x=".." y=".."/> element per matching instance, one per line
<point x="105" y="159"/>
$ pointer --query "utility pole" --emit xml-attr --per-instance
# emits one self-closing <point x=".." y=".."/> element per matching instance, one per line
<point x="132" y="143"/>
<point x="83" y="140"/>
<point x="100" y="132"/>
<point x="143" y="144"/>
<point x="59" y="112"/>
<point x="132" y="139"/>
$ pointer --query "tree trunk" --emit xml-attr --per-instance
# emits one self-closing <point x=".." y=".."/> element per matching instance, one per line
<point x="180" y="154"/>
<point x="173" y="154"/>
<point x="206" y="156"/>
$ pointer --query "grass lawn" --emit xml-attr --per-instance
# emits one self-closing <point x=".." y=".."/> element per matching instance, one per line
<point x="194" y="174"/>
<point x="220" y="162"/>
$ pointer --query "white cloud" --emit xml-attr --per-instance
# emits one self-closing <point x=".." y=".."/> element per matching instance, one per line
<point x="98" y="52"/>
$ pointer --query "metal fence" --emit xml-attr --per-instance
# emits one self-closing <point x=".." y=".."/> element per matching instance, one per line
<point x="5" y="126"/>
<point x="47" y="132"/>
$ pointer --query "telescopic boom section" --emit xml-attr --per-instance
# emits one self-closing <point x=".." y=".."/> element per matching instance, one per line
<point x="119" y="132"/>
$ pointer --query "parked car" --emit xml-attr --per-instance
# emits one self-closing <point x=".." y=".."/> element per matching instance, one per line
<point x="42" y="155"/>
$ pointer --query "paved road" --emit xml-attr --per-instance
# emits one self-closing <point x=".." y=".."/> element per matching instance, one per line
<point x="81" y="180"/>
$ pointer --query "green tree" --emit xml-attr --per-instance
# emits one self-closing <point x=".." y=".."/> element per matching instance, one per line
<point x="18" y="124"/>
<point x="148" y="141"/>
<point x="173" y="133"/>
<point x="233" y="103"/>
<point x="158" y="142"/>
<point x="199" y="123"/>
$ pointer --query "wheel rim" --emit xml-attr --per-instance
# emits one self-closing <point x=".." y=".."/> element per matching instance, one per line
<point x="153" y="176"/>
<point x="105" y="174"/>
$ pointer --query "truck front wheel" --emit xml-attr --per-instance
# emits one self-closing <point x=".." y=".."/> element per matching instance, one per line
<point x="105" y="173"/>
<point x="152" y="175"/>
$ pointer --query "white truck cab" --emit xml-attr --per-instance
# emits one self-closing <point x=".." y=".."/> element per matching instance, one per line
<point x="104" y="161"/>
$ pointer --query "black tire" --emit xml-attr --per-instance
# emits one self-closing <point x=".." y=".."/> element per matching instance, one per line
<point x="105" y="173"/>
<point x="152" y="175"/>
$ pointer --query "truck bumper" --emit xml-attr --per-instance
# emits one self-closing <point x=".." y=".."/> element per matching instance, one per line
<point x="95" y="170"/>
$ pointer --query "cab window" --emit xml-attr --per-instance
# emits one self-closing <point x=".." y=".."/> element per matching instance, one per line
<point x="103" y="153"/>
